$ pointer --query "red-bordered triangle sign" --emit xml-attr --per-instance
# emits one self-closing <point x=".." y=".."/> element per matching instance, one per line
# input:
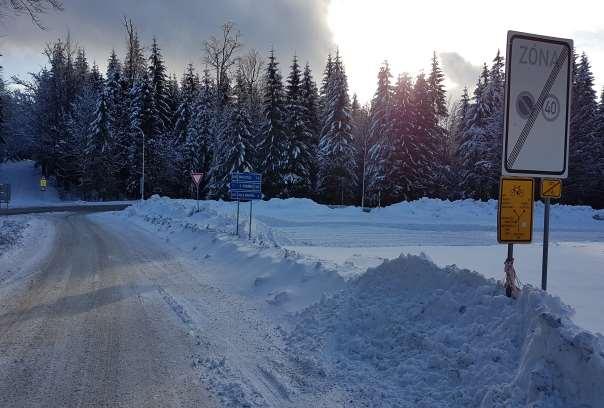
<point x="196" y="177"/>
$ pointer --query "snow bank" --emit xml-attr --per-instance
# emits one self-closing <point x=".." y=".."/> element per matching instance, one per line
<point x="408" y="333"/>
<point x="258" y="269"/>
<point x="302" y="222"/>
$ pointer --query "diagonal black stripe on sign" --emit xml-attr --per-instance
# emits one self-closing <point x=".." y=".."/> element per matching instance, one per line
<point x="537" y="108"/>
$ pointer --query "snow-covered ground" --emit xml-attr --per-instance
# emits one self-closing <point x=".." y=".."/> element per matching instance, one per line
<point x="24" y="241"/>
<point x="404" y="333"/>
<point x="461" y="233"/>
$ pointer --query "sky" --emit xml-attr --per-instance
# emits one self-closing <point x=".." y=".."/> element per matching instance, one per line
<point x="464" y="34"/>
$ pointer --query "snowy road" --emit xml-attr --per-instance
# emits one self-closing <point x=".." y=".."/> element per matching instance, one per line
<point x="91" y="327"/>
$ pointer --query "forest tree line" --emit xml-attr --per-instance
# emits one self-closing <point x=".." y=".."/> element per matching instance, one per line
<point x="88" y="129"/>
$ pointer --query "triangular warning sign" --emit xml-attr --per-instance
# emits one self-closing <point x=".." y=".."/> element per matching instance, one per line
<point x="197" y="177"/>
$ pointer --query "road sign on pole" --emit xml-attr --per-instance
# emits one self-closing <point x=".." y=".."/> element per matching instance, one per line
<point x="515" y="215"/>
<point x="537" y="105"/>
<point x="197" y="179"/>
<point x="43" y="184"/>
<point x="246" y="187"/>
<point x="551" y="188"/>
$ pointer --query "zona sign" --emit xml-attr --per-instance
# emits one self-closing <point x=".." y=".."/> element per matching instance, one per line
<point x="537" y="105"/>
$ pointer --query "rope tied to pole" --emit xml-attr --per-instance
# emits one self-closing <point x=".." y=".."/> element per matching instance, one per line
<point x="511" y="280"/>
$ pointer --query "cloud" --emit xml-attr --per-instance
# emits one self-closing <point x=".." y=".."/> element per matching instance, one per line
<point x="459" y="70"/>
<point x="181" y="26"/>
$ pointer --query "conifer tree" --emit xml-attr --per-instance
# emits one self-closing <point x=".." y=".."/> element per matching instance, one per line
<point x="405" y="157"/>
<point x="274" y="140"/>
<point x="583" y="125"/>
<point x="310" y="101"/>
<point x="157" y="76"/>
<point x="298" y="156"/>
<point x="336" y="148"/>
<point x="235" y="149"/>
<point x="380" y="131"/>
<point x="199" y="144"/>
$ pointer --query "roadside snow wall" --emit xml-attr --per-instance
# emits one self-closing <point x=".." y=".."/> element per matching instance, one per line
<point x="410" y="334"/>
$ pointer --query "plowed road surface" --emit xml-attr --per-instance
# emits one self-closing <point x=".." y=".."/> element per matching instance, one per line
<point x="89" y="328"/>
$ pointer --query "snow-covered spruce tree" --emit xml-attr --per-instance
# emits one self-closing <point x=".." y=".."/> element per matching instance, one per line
<point x="336" y="148"/>
<point x="443" y="177"/>
<point x="234" y="151"/>
<point x="118" y="105"/>
<point x="310" y="101"/>
<point x="159" y="86"/>
<point x="597" y="200"/>
<point x="405" y="157"/>
<point x="425" y="133"/>
<point x="380" y="132"/>
<point x="199" y="141"/>
<point x="298" y="156"/>
<point x="182" y="118"/>
<point x="324" y="88"/>
<point x="273" y="145"/>
<point x="144" y="125"/>
<point x="79" y="127"/>
<point x="99" y="169"/>
<point x="583" y="162"/>
<point x="360" y="139"/>
<point x="494" y="96"/>
<point x="474" y="144"/>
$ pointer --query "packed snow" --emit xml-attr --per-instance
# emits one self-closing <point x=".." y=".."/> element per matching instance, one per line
<point x="403" y="333"/>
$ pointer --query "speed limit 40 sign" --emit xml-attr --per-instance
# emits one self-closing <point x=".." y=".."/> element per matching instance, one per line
<point x="537" y="105"/>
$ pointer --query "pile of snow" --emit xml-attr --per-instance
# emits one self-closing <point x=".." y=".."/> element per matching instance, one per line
<point x="408" y="333"/>
<point x="258" y="269"/>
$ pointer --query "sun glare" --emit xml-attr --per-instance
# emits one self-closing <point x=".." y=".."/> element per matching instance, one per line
<point x="407" y="32"/>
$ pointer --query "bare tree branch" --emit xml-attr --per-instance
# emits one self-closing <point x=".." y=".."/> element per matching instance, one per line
<point x="220" y="52"/>
<point x="32" y="8"/>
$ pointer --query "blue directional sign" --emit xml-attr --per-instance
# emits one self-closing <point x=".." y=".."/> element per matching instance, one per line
<point x="246" y="195"/>
<point x="246" y="186"/>
<point x="242" y="177"/>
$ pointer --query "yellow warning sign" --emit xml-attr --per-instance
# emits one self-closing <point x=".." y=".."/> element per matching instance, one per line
<point x="43" y="183"/>
<point x="551" y="188"/>
<point x="515" y="215"/>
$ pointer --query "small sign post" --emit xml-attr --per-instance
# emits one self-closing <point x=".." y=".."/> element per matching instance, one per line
<point x="43" y="183"/>
<point x="550" y="188"/>
<point x="247" y="187"/>
<point x="537" y="122"/>
<point x="197" y="179"/>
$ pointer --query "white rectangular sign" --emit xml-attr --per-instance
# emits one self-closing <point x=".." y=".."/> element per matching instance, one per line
<point x="537" y="105"/>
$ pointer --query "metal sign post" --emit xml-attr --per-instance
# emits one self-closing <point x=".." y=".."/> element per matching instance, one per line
<point x="550" y="188"/>
<point x="237" y="227"/>
<point x="246" y="187"/>
<point x="545" y="245"/>
<point x="250" y="229"/>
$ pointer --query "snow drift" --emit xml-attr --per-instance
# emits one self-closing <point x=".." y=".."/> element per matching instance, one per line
<point x="404" y="334"/>
<point x="408" y="333"/>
